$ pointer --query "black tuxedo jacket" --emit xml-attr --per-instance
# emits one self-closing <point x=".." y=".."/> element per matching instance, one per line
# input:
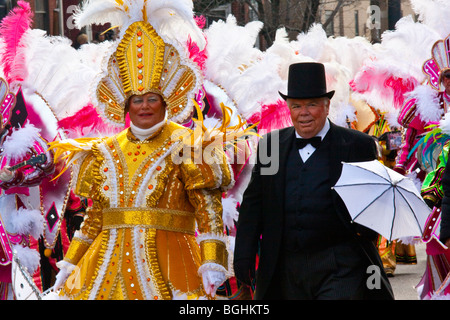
<point x="260" y="224"/>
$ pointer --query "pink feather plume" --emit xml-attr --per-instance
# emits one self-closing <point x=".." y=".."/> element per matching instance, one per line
<point x="86" y="121"/>
<point x="272" y="116"/>
<point x="385" y="83"/>
<point x="12" y="28"/>
<point x="199" y="57"/>
<point x="200" y="21"/>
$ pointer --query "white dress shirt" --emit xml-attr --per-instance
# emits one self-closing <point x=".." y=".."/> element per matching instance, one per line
<point x="308" y="150"/>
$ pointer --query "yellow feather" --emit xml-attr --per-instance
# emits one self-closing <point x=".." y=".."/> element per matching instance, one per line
<point x="66" y="150"/>
<point x="226" y="133"/>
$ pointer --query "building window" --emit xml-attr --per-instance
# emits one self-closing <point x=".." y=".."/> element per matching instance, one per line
<point x="356" y="23"/>
<point x="41" y="15"/>
<point x="330" y="27"/>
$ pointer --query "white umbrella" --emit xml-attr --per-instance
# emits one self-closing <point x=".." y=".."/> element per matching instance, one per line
<point x="382" y="199"/>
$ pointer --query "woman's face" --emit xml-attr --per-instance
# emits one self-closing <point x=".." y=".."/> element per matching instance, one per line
<point x="146" y="110"/>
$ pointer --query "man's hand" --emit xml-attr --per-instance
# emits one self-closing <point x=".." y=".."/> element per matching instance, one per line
<point x="6" y="174"/>
<point x="212" y="280"/>
<point x="244" y="271"/>
<point x="447" y="243"/>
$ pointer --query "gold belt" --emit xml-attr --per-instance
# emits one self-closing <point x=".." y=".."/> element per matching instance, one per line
<point x="153" y="218"/>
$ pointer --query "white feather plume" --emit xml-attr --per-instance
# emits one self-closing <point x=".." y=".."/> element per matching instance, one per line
<point x="58" y="72"/>
<point x="434" y="14"/>
<point x="18" y="144"/>
<point x="238" y="66"/>
<point x="427" y="103"/>
<point x="98" y="12"/>
<point x="407" y="47"/>
<point x="172" y="19"/>
<point x="231" y="48"/>
<point x="25" y="222"/>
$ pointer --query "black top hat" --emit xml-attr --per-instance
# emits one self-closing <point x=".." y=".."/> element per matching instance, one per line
<point x="307" y="80"/>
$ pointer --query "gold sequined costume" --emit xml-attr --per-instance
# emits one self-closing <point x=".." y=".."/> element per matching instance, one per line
<point x="138" y="241"/>
<point x="155" y="227"/>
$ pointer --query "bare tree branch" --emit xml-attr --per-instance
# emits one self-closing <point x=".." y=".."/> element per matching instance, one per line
<point x="333" y="14"/>
<point x="294" y="15"/>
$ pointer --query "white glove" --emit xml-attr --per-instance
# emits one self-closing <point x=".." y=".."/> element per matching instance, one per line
<point x="63" y="274"/>
<point x="212" y="279"/>
<point x="5" y="174"/>
<point x="61" y="279"/>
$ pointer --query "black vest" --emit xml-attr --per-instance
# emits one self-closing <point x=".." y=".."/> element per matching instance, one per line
<point x="311" y="221"/>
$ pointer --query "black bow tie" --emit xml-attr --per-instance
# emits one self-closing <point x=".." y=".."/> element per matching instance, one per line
<point x="314" y="141"/>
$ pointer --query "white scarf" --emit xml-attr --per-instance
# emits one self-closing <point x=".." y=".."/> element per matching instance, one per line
<point x="143" y="134"/>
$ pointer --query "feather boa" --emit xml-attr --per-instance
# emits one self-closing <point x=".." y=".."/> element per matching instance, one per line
<point x="12" y="28"/>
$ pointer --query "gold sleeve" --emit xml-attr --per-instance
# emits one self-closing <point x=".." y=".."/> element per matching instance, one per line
<point x="76" y="250"/>
<point x="208" y="214"/>
<point x="85" y="179"/>
<point x="87" y="185"/>
<point x="204" y="184"/>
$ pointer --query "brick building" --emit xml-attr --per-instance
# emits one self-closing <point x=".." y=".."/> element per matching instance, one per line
<point x="54" y="16"/>
<point x="365" y="18"/>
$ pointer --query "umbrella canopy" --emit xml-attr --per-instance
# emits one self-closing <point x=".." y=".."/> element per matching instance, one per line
<point x="382" y="199"/>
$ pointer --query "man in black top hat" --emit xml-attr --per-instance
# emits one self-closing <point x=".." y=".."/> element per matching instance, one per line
<point x="298" y="225"/>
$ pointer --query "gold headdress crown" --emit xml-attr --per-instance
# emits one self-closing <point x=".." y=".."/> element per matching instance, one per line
<point x="143" y="62"/>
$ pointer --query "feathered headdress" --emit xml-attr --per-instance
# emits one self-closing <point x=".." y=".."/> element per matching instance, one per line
<point x="439" y="62"/>
<point x="149" y="56"/>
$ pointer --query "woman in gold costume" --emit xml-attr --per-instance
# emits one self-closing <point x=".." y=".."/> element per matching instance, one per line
<point x="155" y="228"/>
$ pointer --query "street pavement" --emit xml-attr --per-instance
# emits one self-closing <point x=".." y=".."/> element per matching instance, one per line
<point x="407" y="277"/>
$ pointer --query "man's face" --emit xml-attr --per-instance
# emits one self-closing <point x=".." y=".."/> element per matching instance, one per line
<point x="309" y="115"/>
<point x="446" y="82"/>
<point x="146" y="110"/>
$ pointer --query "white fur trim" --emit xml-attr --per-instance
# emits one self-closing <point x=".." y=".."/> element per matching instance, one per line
<point x="211" y="236"/>
<point x="212" y="267"/>
<point x="79" y="234"/>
